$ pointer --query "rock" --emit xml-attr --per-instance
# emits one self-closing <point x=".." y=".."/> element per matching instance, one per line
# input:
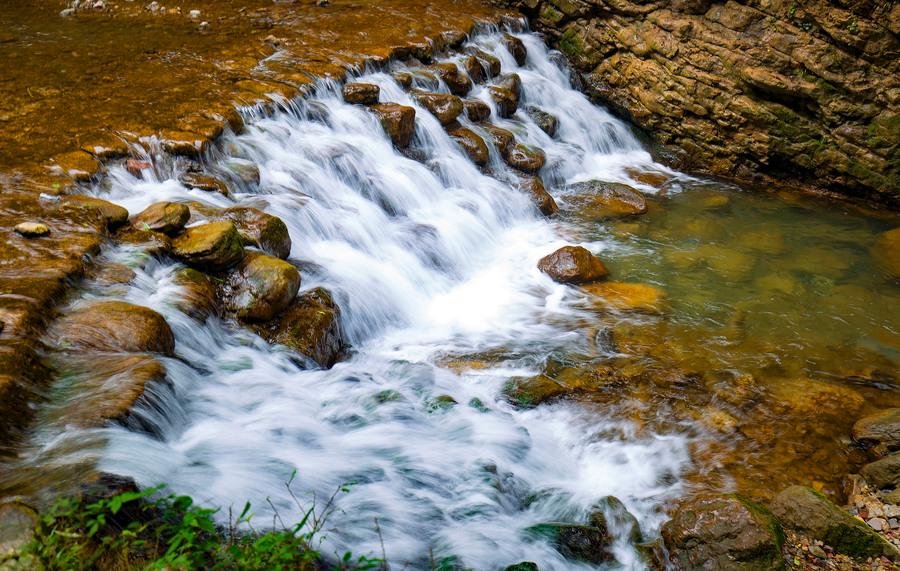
<point x="136" y="167"/>
<point x="107" y="214"/>
<point x="886" y="252"/>
<point x="198" y="296"/>
<point x="457" y="82"/>
<point x="476" y="110"/>
<point x="506" y="93"/>
<point x="525" y="158"/>
<point x="261" y="287"/>
<point x="884" y="473"/>
<point x="361" y="93"/>
<point x="443" y="106"/>
<point x="32" y="229"/>
<point x="501" y="138"/>
<point x="881" y="429"/>
<point x="166" y="217"/>
<point x="577" y="542"/>
<point x="628" y="296"/>
<point x="816" y="402"/>
<point x="611" y="510"/>
<point x="152" y="243"/>
<point x="529" y="392"/>
<point x="573" y="265"/>
<point x="515" y="47"/>
<point x="440" y="403"/>
<point x="311" y="326"/>
<point x="547" y="122"/>
<point x="610" y="198"/>
<point x="542" y="199"/>
<point x="723" y="532"/>
<point x="658" y="180"/>
<point x="246" y="171"/>
<point x="17" y="523"/>
<point x="403" y="78"/>
<point x="204" y="182"/>
<point x="213" y="246"/>
<point x="114" y="326"/>
<point x="473" y="69"/>
<point x="472" y="144"/>
<point x="398" y="121"/>
<point x="522" y="566"/>
<point x="811" y="513"/>
<point x="260" y="229"/>
<point x="489" y="63"/>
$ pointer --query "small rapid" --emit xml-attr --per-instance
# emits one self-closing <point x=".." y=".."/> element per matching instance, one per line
<point x="433" y="263"/>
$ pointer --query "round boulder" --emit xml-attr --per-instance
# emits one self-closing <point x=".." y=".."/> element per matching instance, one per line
<point x="262" y="287"/>
<point x="166" y="217"/>
<point x="264" y="231"/>
<point x="115" y="326"/>
<point x="573" y="265"/>
<point x="457" y="82"/>
<point x="524" y="158"/>
<point x="213" y="246"/>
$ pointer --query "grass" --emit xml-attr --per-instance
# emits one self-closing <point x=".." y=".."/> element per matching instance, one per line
<point x="147" y="530"/>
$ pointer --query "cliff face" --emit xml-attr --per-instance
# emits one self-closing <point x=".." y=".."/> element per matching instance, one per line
<point x="807" y="91"/>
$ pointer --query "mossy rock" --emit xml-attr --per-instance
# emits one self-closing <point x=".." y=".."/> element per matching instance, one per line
<point x="115" y="326"/>
<point x="522" y="566"/>
<point x="262" y="287"/>
<point x="574" y="541"/>
<point x="529" y="392"/>
<point x="311" y="326"/>
<point x="257" y="228"/>
<point x="440" y="403"/>
<point x="213" y="246"/>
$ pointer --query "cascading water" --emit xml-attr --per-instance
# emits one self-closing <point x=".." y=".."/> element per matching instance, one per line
<point x="429" y="259"/>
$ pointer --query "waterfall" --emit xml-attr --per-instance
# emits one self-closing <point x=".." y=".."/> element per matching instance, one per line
<point x="430" y="259"/>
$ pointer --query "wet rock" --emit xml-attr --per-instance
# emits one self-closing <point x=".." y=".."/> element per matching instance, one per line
<point x="114" y="326"/>
<point x="476" y="110"/>
<point x="611" y="512"/>
<point x="17" y="523"/>
<point x="198" y="294"/>
<point x="658" y="180"/>
<point x="886" y="252"/>
<point x="576" y="542"/>
<point x="506" y="93"/>
<point x="522" y="566"/>
<point x="32" y="229"/>
<point x="260" y="229"/>
<point x="529" y="392"/>
<point x="525" y="158"/>
<point x="446" y="108"/>
<point x="547" y="122"/>
<point x="811" y="513"/>
<point x="723" y="532"/>
<point x="440" y="403"/>
<point x="516" y="48"/>
<point x="311" y="326"/>
<point x="204" y="182"/>
<point x="403" y="78"/>
<point x="818" y="403"/>
<point x="398" y="121"/>
<point x="501" y="138"/>
<point x="881" y="429"/>
<point x="111" y="274"/>
<point x="136" y="167"/>
<point x="153" y="243"/>
<point x="110" y="216"/>
<point x="457" y="82"/>
<point x="628" y="296"/>
<point x="884" y="473"/>
<point x="361" y="93"/>
<point x="166" y="217"/>
<point x="610" y="198"/>
<point x="472" y="144"/>
<point x="213" y="246"/>
<point x="489" y="63"/>
<point x="542" y="199"/>
<point x="246" y="171"/>
<point x="473" y="69"/>
<point x="261" y="287"/>
<point x="183" y="143"/>
<point x="573" y="265"/>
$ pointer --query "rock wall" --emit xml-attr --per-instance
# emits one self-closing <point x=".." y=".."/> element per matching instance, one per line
<point x="803" y="91"/>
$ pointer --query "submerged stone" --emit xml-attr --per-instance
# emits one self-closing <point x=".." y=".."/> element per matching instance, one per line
<point x="257" y="228"/>
<point x="114" y="326"/>
<point x="628" y="296"/>
<point x="886" y="252"/>
<point x="609" y="511"/>
<point x="361" y="93"/>
<point x="213" y="246"/>
<point x="446" y="108"/>
<point x="516" y="48"/>
<point x="472" y="144"/>
<point x="602" y="199"/>
<point x="166" y="217"/>
<point x="522" y="566"/>
<point x="440" y="403"/>
<point x="573" y="265"/>
<point x="529" y="392"/>
<point x="547" y="122"/>
<point x="110" y="216"/>
<point x="398" y="121"/>
<point x="262" y="287"/>
<point x="573" y="541"/>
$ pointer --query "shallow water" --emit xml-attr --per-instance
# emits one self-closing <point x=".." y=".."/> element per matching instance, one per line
<point x="774" y="314"/>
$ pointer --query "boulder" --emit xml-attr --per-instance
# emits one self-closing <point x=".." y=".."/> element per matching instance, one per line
<point x="472" y="144"/>
<point x="457" y="82"/>
<point x="403" y="78"/>
<point x="489" y="63"/>
<point x="542" y="199"/>
<point x="311" y="326"/>
<point x="398" y="121"/>
<point x="261" y="287"/>
<point x="576" y="542"/>
<point x="110" y="216"/>
<point x="361" y="93"/>
<point x="17" y="523"/>
<point x="811" y="513"/>
<point x="524" y="158"/>
<point x="115" y="326"/>
<point x="213" y="246"/>
<point x="573" y="265"/>
<point x="198" y="296"/>
<point x="166" y="217"/>
<point x="446" y="108"/>
<point x="204" y="182"/>
<point x="257" y="228"/>
<point x="501" y="138"/>
<point x="153" y="243"/>
<point x="473" y="69"/>
<point x="883" y="474"/>
<point x="602" y="199"/>
<point x="609" y="512"/>
<point x="881" y="429"/>
<point x="723" y="533"/>
<point x="506" y="101"/>
<point x="32" y="229"/>
<point x="522" y="566"/>
<point x="529" y="392"/>
<point x="627" y="296"/>
<point x="515" y="47"/>
<point x="547" y="122"/>
<point x="476" y="110"/>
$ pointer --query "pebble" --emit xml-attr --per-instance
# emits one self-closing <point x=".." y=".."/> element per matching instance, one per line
<point x="67" y="12"/>
<point x="32" y="229"/>
<point x="204" y="26"/>
<point x="877" y="523"/>
<point x="194" y="14"/>
<point x="818" y="552"/>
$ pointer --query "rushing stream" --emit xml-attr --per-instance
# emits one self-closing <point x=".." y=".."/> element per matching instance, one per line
<point x="433" y="263"/>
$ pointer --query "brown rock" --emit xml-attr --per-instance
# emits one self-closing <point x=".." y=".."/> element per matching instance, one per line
<point x="110" y="216"/>
<point x="516" y="48"/>
<point x="604" y="199"/>
<point x="261" y="287"/>
<point x="260" y="229"/>
<point x="404" y="79"/>
<point x="198" y="296"/>
<point x="311" y="326"/>
<point x="166" y="217"/>
<point x="473" y="69"/>
<point x="501" y="138"/>
<point x="204" y="182"/>
<point x="489" y="63"/>
<point x="32" y="229"/>
<point x="136" y="167"/>
<point x="457" y="82"/>
<point x="114" y="326"/>
<point x="886" y="252"/>
<point x="472" y="144"/>
<point x="361" y="93"/>
<point x="476" y="110"/>
<point x="524" y="158"/>
<point x="399" y="121"/>
<point x="628" y="296"/>
<point x="573" y="265"/>
<point x="506" y="101"/>
<point x="881" y="429"/>
<point x="443" y="106"/>
<point x="213" y="246"/>
<point x="534" y="186"/>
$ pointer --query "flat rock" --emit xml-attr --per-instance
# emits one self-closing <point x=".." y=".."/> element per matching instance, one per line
<point x="361" y="93"/>
<point x="881" y="429"/>
<point x="204" y="182"/>
<point x="213" y="246"/>
<point x="115" y="326"/>
<point x="32" y="229"/>
<point x="110" y="216"/>
<point x="573" y="265"/>
<point x="600" y="199"/>
<point x="166" y="217"/>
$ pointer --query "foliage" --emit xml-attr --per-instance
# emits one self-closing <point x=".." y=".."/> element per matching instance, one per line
<point x="147" y="530"/>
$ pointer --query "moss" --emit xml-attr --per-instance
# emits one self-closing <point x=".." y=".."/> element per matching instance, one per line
<point x="440" y="403"/>
<point x="570" y="45"/>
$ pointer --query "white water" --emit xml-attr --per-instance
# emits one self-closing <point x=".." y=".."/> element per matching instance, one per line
<point x="426" y="259"/>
